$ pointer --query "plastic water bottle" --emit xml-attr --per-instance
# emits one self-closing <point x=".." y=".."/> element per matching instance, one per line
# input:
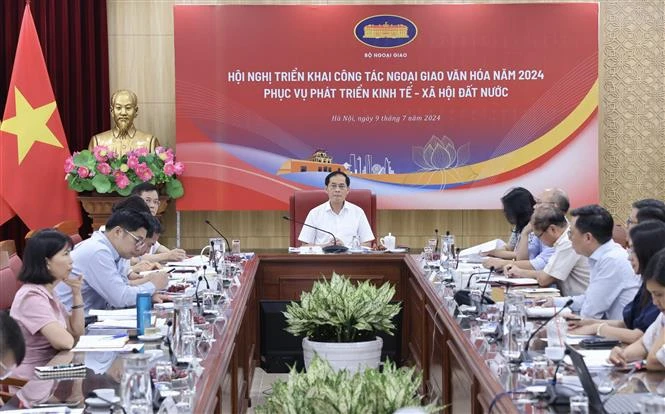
<point x="143" y="307"/>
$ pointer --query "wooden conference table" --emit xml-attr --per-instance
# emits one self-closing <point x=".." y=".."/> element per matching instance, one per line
<point x="454" y="373"/>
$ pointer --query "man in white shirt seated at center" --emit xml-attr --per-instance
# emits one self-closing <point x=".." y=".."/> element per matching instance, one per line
<point x="337" y="216"/>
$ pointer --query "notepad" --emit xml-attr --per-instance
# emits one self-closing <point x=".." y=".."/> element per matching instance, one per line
<point x="472" y="254"/>
<point x="102" y="341"/>
<point x="115" y="323"/>
<point x="593" y="358"/>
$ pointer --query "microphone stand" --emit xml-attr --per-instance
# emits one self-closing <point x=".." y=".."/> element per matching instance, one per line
<point x="196" y="294"/>
<point x="213" y="256"/>
<point x="499" y="333"/>
<point x="482" y="296"/>
<point x="218" y="232"/>
<point x="526" y="346"/>
<point x="335" y="248"/>
<point x="457" y="250"/>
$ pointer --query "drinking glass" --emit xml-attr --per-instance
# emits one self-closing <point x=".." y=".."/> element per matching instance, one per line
<point x="579" y="404"/>
<point x="184" y="400"/>
<point x="135" y="386"/>
<point x="652" y="404"/>
<point x="208" y="302"/>
<point x="428" y="254"/>
<point x="188" y="343"/>
<point x="163" y="371"/>
<point x="235" y="246"/>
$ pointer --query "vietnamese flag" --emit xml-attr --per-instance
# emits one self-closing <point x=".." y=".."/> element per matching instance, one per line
<point x="33" y="147"/>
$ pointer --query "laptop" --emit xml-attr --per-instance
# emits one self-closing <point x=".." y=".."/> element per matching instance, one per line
<point x="617" y="403"/>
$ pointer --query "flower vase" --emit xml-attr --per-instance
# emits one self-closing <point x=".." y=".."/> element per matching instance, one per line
<point x="99" y="206"/>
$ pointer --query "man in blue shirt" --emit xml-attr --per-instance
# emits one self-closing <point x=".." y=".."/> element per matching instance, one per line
<point x="102" y="260"/>
<point x="612" y="282"/>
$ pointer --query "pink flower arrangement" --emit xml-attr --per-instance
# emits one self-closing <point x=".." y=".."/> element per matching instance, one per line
<point x="101" y="170"/>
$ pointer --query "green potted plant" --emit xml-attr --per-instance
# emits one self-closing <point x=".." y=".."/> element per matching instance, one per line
<point x="324" y="390"/>
<point x="340" y="320"/>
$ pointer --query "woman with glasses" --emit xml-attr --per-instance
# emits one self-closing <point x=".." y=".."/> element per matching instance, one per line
<point x="646" y="238"/>
<point x="46" y="324"/>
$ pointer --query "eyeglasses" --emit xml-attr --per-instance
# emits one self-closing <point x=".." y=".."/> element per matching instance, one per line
<point x="8" y="370"/>
<point x="337" y="186"/>
<point x="630" y="222"/>
<point x="137" y="240"/>
<point x="151" y="201"/>
<point x="539" y="235"/>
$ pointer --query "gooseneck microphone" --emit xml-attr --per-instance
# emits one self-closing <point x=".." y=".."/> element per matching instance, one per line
<point x="436" y="236"/>
<point x="487" y="272"/>
<point x="335" y="248"/>
<point x="93" y="394"/>
<point x="567" y="304"/>
<point x="196" y="293"/>
<point x="489" y="275"/>
<point x="499" y="333"/>
<point x="228" y="245"/>
<point x="462" y="296"/>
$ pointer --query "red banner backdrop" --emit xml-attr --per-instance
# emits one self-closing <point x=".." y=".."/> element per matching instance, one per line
<point x="429" y="106"/>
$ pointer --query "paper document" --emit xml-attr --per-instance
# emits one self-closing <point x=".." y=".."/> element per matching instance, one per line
<point x="472" y="254"/>
<point x="516" y="281"/>
<point x="306" y="250"/>
<point x="115" y="323"/>
<point x="541" y="312"/>
<point x="103" y="314"/>
<point x="102" y="341"/>
<point x="127" y="348"/>
<point x="593" y="358"/>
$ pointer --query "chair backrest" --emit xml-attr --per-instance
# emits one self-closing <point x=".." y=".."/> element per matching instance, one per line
<point x="15" y="263"/>
<point x="8" y="246"/>
<point x="301" y="202"/>
<point x="10" y="265"/>
<point x="8" y="287"/>
<point x="70" y="228"/>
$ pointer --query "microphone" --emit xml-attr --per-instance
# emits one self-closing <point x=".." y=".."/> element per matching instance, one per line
<point x="93" y="394"/>
<point x="335" y="248"/>
<point x="482" y="296"/>
<point x="499" y="333"/>
<point x="167" y="339"/>
<point x="462" y="296"/>
<point x="228" y="245"/>
<point x="567" y="304"/>
<point x="436" y="236"/>
<point x="196" y="293"/>
<point x="489" y="272"/>
<point x="457" y="250"/>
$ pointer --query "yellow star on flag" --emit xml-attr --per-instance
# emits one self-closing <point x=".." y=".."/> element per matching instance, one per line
<point x="29" y="125"/>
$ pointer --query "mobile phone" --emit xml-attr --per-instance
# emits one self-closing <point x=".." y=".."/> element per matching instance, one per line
<point x="599" y="343"/>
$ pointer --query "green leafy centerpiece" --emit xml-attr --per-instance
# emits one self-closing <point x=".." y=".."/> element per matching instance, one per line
<point x="324" y="390"/>
<point x="340" y="320"/>
<point x="103" y="171"/>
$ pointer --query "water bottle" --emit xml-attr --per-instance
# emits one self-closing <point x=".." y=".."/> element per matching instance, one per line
<point x="135" y="385"/>
<point x="512" y="344"/>
<point x="143" y="307"/>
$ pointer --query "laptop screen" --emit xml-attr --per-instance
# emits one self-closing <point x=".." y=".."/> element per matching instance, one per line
<point x="595" y="403"/>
